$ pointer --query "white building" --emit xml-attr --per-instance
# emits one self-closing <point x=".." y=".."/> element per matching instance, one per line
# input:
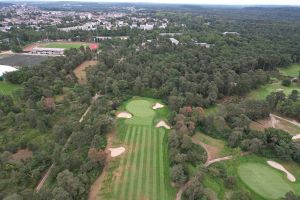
<point x="174" y="41"/>
<point x="48" y="51"/>
<point x="5" y="68"/>
<point x="231" y="33"/>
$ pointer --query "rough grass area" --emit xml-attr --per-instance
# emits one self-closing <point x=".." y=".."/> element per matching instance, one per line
<point x="80" y="71"/>
<point x="264" y="180"/>
<point x="263" y="91"/>
<point x="7" y="88"/>
<point x="292" y="70"/>
<point x="234" y="168"/>
<point x="142" y="172"/>
<point x="219" y="145"/>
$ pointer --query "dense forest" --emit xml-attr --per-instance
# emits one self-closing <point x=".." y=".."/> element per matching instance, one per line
<point x="187" y="77"/>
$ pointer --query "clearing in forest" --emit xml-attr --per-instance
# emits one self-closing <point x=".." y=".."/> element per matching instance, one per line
<point x="142" y="171"/>
<point x="7" y="88"/>
<point x="263" y="91"/>
<point x="292" y="70"/>
<point x="80" y="71"/>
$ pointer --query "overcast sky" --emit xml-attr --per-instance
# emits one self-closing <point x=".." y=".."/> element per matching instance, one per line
<point x="220" y="2"/>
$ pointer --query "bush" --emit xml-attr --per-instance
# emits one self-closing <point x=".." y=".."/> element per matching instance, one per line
<point x="286" y="82"/>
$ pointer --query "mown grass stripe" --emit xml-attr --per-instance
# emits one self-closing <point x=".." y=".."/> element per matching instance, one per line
<point x="118" y="183"/>
<point x="128" y="163"/>
<point x="133" y="171"/>
<point x="156" y="154"/>
<point x="141" y="161"/>
<point x="158" y="171"/>
<point x="148" y="162"/>
<point x="161" y="133"/>
<point x="151" y="171"/>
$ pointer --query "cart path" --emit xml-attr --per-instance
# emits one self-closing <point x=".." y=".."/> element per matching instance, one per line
<point x="43" y="180"/>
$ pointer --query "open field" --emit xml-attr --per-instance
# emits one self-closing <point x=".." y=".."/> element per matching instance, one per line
<point x="7" y="88"/>
<point x="254" y="175"/>
<point x="263" y="91"/>
<point x="142" y="172"/>
<point x="62" y="44"/>
<point x="22" y="60"/>
<point x="80" y="71"/>
<point x="292" y="70"/>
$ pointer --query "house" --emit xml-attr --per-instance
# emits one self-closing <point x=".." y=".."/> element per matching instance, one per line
<point x="231" y="33"/>
<point x="174" y="41"/>
<point x="169" y="34"/>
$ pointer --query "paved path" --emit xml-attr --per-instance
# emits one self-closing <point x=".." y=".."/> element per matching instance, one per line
<point x="273" y="118"/>
<point x="43" y="180"/>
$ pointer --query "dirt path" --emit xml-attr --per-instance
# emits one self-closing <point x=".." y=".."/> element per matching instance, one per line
<point x="274" y="121"/>
<point x="43" y="180"/>
<point x="290" y="121"/>
<point x="212" y="152"/>
<point x="212" y="157"/>
<point x="217" y="160"/>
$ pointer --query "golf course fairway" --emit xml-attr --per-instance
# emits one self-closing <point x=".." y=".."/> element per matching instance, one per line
<point x="142" y="172"/>
<point x="264" y="180"/>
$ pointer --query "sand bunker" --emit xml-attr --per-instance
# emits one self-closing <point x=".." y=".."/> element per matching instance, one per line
<point x="162" y="123"/>
<point x="157" y="106"/>
<point x="296" y="137"/>
<point x="114" y="152"/>
<point x="124" y="115"/>
<point x="278" y="166"/>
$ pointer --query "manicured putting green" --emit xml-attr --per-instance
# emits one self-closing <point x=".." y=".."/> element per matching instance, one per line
<point x="140" y="108"/>
<point x="264" y="180"/>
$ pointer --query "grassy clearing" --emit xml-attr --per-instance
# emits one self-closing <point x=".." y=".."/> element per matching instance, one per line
<point x="142" y="172"/>
<point x="220" y="145"/>
<point x="292" y="70"/>
<point x="250" y="181"/>
<point x="80" y="71"/>
<point x="263" y="91"/>
<point x="7" y="88"/>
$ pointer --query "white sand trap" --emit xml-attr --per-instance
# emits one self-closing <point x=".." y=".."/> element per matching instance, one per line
<point x="278" y="166"/>
<point x="114" y="152"/>
<point x="124" y="115"/>
<point x="162" y="123"/>
<point x="157" y="106"/>
<point x="296" y="137"/>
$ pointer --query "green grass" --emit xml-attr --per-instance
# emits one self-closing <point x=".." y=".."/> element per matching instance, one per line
<point x="224" y="150"/>
<point x="249" y="178"/>
<point x="7" y="88"/>
<point x="264" y="180"/>
<point x="63" y="45"/>
<point x="143" y="171"/>
<point x="292" y="70"/>
<point x="263" y="91"/>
